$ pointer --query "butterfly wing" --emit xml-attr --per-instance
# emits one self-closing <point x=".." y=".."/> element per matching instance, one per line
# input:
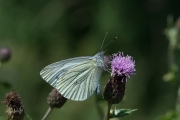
<point x="54" y="71"/>
<point x="80" y="81"/>
<point x="75" y="78"/>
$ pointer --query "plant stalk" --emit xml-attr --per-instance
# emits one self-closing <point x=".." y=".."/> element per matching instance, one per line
<point x="47" y="113"/>
<point x="98" y="107"/>
<point x="108" y="111"/>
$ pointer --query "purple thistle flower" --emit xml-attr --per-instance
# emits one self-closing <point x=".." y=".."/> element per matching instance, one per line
<point x="122" y="65"/>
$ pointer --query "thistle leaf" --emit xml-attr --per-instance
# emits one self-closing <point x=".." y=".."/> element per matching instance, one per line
<point x="120" y="112"/>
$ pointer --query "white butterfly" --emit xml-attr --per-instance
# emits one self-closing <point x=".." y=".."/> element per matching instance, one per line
<point x="75" y="78"/>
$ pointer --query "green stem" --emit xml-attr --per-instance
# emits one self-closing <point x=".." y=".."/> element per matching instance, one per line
<point x="170" y="55"/>
<point x="0" y="64"/>
<point x="98" y="107"/>
<point x="47" y="113"/>
<point x="108" y="111"/>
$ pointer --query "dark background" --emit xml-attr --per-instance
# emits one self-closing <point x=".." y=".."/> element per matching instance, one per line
<point x="41" y="32"/>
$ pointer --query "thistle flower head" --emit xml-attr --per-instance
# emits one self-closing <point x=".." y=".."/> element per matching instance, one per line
<point x="14" y="107"/>
<point x="5" y="54"/>
<point x="55" y="99"/>
<point x="122" y="65"/>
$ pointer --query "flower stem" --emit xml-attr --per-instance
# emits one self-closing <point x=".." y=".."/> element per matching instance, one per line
<point x="47" y="113"/>
<point x="171" y="55"/>
<point x="97" y="99"/>
<point x="108" y="111"/>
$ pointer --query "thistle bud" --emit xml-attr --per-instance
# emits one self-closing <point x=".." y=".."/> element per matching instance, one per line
<point x="55" y="99"/>
<point x="14" y="107"/>
<point x="107" y="60"/>
<point x="5" y="54"/>
<point x="122" y="67"/>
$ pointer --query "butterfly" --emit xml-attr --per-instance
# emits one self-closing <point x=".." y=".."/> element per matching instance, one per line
<point x="75" y="78"/>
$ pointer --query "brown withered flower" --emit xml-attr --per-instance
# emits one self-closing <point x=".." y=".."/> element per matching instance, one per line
<point x="14" y="107"/>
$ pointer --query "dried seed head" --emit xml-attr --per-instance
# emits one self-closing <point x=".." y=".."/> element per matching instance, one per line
<point x="14" y="107"/>
<point x="55" y="99"/>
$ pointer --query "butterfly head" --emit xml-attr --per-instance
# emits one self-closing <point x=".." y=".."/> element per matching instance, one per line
<point x="99" y="58"/>
<point x="100" y="54"/>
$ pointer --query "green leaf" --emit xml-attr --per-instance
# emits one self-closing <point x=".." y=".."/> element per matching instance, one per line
<point x="121" y="112"/>
<point x="169" y="76"/>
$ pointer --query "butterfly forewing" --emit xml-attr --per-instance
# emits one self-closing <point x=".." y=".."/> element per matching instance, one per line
<point x="54" y="71"/>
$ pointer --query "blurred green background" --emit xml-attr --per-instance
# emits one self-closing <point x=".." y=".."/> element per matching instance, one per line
<point x="41" y="32"/>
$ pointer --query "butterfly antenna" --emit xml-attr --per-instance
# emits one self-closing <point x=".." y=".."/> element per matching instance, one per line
<point x="103" y="41"/>
<point x="109" y="42"/>
<point x="105" y="51"/>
